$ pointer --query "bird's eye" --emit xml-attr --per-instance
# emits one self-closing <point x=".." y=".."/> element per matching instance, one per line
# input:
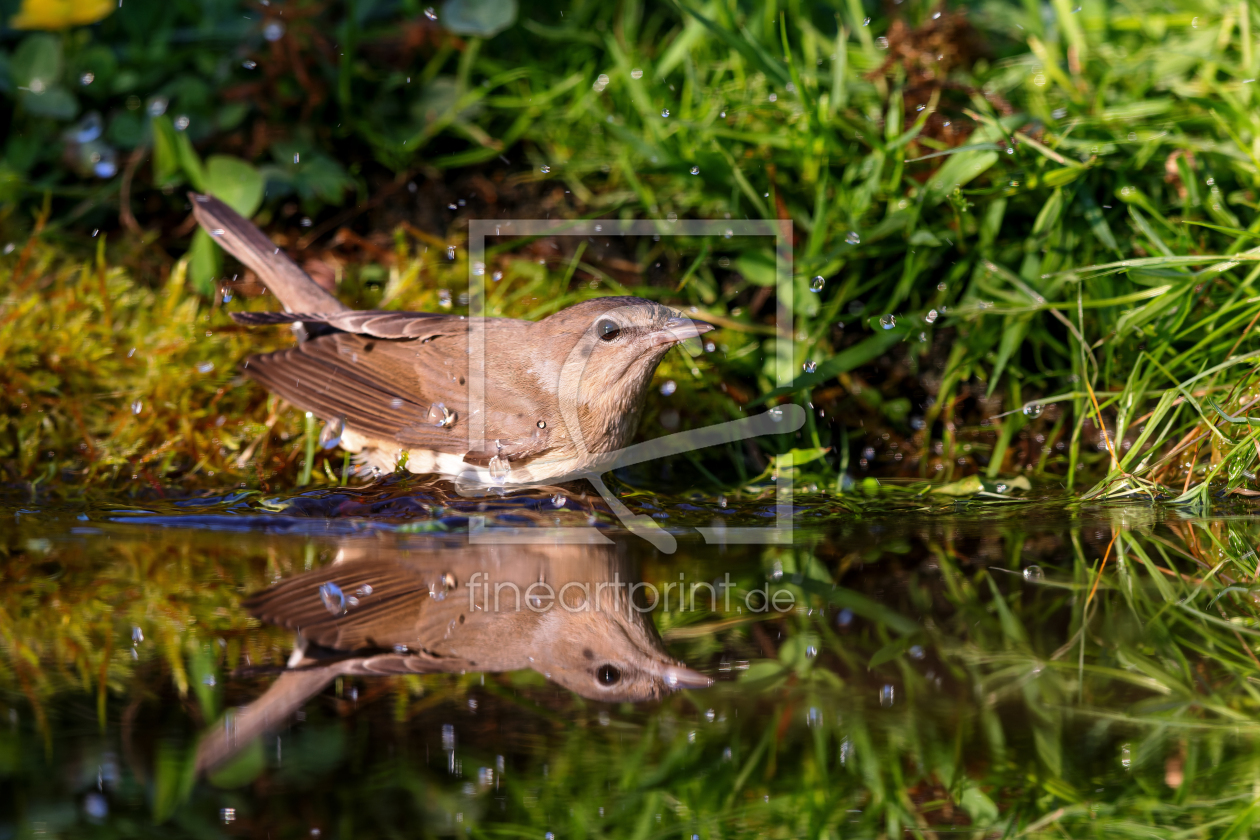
<point x="608" y="675"/>
<point x="607" y="329"/>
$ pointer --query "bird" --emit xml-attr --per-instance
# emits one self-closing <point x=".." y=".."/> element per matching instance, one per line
<point x="567" y="612"/>
<point x="559" y="394"/>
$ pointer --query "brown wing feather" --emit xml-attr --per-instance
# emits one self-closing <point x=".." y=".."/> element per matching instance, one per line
<point x="387" y="389"/>
<point x="387" y="614"/>
<point x="370" y="385"/>
<point x="379" y="323"/>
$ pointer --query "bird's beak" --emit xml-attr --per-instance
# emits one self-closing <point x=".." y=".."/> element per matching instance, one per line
<point x="680" y="329"/>
<point x="677" y="676"/>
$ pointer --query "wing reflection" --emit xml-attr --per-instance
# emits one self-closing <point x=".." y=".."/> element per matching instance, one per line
<point x="568" y="612"/>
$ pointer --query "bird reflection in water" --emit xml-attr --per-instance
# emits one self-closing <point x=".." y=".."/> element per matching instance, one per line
<point x="567" y="612"/>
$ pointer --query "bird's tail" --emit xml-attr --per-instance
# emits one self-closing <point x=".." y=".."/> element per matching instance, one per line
<point x="242" y="239"/>
<point x="266" y="714"/>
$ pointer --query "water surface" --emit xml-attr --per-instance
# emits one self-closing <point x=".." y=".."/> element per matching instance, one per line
<point x="931" y="666"/>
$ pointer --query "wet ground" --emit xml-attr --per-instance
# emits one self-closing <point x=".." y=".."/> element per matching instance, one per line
<point x="897" y="664"/>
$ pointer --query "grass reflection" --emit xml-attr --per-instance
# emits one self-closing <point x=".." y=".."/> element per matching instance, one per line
<point x="937" y="675"/>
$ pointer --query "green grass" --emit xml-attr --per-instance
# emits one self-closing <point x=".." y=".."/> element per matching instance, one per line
<point x="1086" y="224"/>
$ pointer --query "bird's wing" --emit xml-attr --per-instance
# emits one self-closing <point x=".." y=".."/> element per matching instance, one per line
<point x="379" y="323"/>
<point x="411" y="391"/>
<point x="361" y="605"/>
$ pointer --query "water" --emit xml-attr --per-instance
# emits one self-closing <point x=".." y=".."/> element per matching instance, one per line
<point x="901" y="662"/>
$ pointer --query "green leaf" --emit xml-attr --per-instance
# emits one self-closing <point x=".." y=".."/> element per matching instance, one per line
<point x="205" y="263"/>
<point x="174" y="775"/>
<point x="766" y="670"/>
<point x="235" y="183"/>
<point x="174" y="158"/>
<point x="55" y="102"/>
<point x="861" y="605"/>
<point x="757" y="267"/>
<point x="957" y="172"/>
<point x="481" y="18"/>
<point x="979" y="807"/>
<point x="843" y="362"/>
<point x="889" y="652"/>
<point x="798" y="457"/>
<point x="37" y="63"/>
<point x="973" y="484"/>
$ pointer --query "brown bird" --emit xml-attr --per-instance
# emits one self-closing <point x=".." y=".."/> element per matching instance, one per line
<point x="564" y="611"/>
<point x="558" y="393"/>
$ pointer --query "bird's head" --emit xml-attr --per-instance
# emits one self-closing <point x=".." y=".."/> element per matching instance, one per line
<point x="610" y="657"/>
<point x="613" y="345"/>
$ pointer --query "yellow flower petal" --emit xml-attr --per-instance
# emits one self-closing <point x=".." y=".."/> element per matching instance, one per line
<point x="60" y="14"/>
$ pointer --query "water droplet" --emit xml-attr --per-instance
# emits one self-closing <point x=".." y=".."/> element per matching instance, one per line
<point x="811" y="651"/>
<point x="774" y="97"/>
<point x="866" y="21"/>
<point x="273" y="31"/>
<point x="845" y="618"/>
<point x="330" y="436"/>
<point x="497" y="276"/>
<point x="137" y="407"/>
<point x="888" y="322"/>
<point x="695" y="170"/>
<point x="441" y="416"/>
<point x="205" y="367"/>
<point x="852" y="238"/>
<point x="1034" y="574"/>
<point x="542" y="424"/>
<point x="1034" y="409"/>
<point x="728" y="233"/>
<point x="664" y="112"/>
<point x="776" y="414"/>
<point x="499" y="467"/>
<point x="558" y="500"/>
<point x="817" y="284"/>
<point x="810" y="366"/>
<point x="396" y="402"/>
<point x="887" y="696"/>
<point x="249" y="64"/>
<point x="364" y="590"/>
<point x="668" y="387"/>
<point x="544" y="169"/>
<point x="1126" y="756"/>
<point x="636" y="73"/>
<point x="227" y="814"/>
<point x="430" y="14"/>
<point x="137" y="635"/>
<point x="813" y="717"/>
<point x="181" y="122"/>
<point x="776" y="571"/>
<point x="916" y="652"/>
<point x="439" y="589"/>
<point x="87" y="79"/>
<point x="333" y="598"/>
